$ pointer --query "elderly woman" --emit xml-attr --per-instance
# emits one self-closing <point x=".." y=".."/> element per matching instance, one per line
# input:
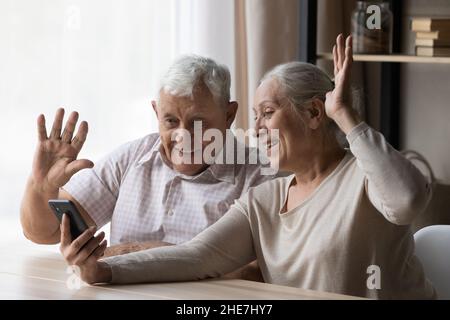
<point x="338" y="224"/>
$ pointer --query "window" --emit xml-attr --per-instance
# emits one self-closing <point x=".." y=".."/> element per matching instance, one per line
<point x="102" y="58"/>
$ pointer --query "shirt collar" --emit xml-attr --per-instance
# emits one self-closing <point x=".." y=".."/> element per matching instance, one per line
<point x="220" y="171"/>
<point x="149" y="155"/>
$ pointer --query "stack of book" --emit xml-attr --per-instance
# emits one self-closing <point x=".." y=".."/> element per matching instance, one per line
<point x="432" y="36"/>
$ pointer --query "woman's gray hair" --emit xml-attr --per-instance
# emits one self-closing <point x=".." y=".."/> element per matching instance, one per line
<point x="301" y="82"/>
<point x="188" y="71"/>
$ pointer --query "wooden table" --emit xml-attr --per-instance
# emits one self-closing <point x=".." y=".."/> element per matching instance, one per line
<point x="39" y="272"/>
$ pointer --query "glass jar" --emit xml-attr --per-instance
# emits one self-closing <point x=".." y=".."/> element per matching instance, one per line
<point x="372" y="28"/>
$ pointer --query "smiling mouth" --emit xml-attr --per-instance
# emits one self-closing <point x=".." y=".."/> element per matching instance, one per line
<point x="272" y="144"/>
<point x="186" y="151"/>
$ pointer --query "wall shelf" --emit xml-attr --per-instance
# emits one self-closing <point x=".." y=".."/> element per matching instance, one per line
<point x="390" y="65"/>
<point x="390" y="58"/>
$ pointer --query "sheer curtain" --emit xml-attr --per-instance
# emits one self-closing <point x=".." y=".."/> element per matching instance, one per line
<point x="266" y="35"/>
<point x="102" y="58"/>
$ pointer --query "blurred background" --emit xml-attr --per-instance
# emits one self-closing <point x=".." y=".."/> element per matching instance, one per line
<point x="103" y="58"/>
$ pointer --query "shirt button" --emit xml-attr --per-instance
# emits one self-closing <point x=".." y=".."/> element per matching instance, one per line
<point x="170" y="213"/>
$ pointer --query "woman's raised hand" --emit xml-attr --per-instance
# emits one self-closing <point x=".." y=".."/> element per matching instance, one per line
<point x="338" y="103"/>
<point x="340" y="97"/>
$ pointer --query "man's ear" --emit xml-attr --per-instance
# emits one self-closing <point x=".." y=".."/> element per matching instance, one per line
<point x="155" y="108"/>
<point x="232" y="108"/>
<point x="315" y="113"/>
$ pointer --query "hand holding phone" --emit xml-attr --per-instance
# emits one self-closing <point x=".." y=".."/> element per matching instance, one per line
<point x="84" y="251"/>
<point x="77" y="224"/>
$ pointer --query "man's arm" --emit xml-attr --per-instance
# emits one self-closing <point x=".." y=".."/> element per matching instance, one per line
<point x="39" y="223"/>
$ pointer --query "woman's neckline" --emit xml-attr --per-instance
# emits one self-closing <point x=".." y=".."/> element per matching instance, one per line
<point x="284" y="212"/>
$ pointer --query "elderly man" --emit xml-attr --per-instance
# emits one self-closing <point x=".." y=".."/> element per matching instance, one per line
<point x="150" y="199"/>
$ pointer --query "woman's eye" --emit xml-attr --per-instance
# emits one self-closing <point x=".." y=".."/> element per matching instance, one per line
<point x="267" y="114"/>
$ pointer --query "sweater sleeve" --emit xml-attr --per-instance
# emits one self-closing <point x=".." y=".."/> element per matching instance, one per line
<point x="393" y="184"/>
<point x="219" y="249"/>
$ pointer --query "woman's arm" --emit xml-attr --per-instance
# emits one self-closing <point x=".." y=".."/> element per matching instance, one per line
<point x="124" y="248"/>
<point x="394" y="185"/>
<point x="219" y="249"/>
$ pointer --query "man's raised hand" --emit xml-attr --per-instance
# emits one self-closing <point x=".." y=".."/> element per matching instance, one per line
<point x="55" y="160"/>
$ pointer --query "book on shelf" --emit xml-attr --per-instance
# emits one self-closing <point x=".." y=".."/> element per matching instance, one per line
<point x="434" y="35"/>
<point x="432" y="43"/>
<point x="433" y="51"/>
<point x="430" y="24"/>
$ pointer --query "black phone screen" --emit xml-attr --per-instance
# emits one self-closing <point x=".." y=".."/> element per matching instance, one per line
<point x="77" y="224"/>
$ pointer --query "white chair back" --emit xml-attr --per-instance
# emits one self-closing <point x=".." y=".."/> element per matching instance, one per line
<point x="433" y="250"/>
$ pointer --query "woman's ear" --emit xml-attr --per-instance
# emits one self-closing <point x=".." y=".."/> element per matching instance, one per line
<point x="315" y="113"/>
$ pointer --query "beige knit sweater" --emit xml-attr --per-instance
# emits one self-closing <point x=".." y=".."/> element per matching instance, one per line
<point x="351" y="236"/>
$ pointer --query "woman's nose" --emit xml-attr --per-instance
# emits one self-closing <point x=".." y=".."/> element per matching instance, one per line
<point x="259" y="125"/>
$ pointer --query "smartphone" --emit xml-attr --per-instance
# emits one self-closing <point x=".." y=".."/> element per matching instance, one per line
<point x="77" y="224"/>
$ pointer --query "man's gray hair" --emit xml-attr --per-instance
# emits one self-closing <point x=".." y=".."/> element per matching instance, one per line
<point x="188" y="71"/>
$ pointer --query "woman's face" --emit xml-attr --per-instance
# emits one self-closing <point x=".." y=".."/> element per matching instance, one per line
<point x="272" y="112"/>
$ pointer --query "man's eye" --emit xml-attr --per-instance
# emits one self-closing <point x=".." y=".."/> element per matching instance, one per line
<point x="202" y="123"/>
<point x="171" y="122"/>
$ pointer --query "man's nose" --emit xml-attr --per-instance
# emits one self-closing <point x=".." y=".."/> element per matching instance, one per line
<point x="187" y="135"/>
<point x="181" y="133"/>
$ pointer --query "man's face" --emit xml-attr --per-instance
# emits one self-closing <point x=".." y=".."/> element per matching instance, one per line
<point x="177" y="113"/>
